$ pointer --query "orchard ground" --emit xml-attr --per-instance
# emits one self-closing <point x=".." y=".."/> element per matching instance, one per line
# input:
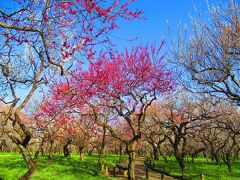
<point x="12" y="166"/>
<point x="201" y="166"/>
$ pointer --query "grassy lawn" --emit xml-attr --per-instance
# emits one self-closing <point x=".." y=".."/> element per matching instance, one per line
<point x="12" y="166"/>
<point x="193" y="171"/>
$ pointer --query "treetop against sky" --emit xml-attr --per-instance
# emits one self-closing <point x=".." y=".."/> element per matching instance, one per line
<point x="159" y="17"/>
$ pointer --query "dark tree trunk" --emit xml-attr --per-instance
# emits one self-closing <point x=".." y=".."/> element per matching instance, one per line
<point x="165" y="159"/>
<point x="101" y="153"/>
<point x="204" y="154"/>
<point x="180" y="154"/>
<point x="192" y="159"/>
<point x="2" y="143"/>
<point x="228" y="161"/>
<point x="36" y="155"/>
<point x="90" y="152"/>
<point x="181" y="163"/>
<point x="50" y="150"/>
<point x="218" y="162"/>
<point x="42" y="152"/>
<point x="164" y="156"/>
<point x="229" y="165"/>
<point x="65" y="148"/>
<point x="120" y="152"/>
<point x="155" y="152"/>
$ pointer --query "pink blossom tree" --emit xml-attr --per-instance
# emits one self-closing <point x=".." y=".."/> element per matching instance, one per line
<point x="66" y="122"/>
<point x="130" y="82"/>
<point x="43" y="36"/>
<point x="127" y="83"/>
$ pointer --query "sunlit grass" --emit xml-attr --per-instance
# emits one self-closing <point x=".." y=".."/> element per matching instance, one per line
<point x="12" y="166"/>
<point x="200" y="166"/>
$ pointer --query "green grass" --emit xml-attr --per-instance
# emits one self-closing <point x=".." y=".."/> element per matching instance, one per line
<point x="193" y="171"/>
<point x="12" y="166"/>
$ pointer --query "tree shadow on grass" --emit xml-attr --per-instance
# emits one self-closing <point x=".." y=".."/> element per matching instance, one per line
<point x="12" y="167"/>
<point x="194" y="170"/>
<point x="67" y="168"/>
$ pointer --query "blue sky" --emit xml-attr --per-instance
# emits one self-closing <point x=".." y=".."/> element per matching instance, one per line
<point x="155" y="27"/>
<point x="158" y="13"/>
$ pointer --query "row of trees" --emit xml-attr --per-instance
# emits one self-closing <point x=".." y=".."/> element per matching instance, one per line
<point x="180" y="128"/>
<point x="192" y="128"/>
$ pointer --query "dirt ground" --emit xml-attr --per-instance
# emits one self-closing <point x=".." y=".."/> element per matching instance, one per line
<point x="140" y="171"/>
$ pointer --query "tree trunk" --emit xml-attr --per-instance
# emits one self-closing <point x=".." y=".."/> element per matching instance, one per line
<point x="164" y="156"/>
<point x="90" y="152"/>
<point x="42" y="152"/>
<point x="192" y="159"/>
<point x="218" y="162"/>
<point x="41" y="147"/>
<point x="155" y="152"/>
<point x="81" y="155"/>
<point x="120" y="152"/>
<point x="1" y="145"/>
<point x="180" y="160"/>
<point x="205" y="155"/>
<point x="50" y="150"/>
<point x="131" y="151"/>
<point x="36" y="155"/>
<point x="29" y="161"/>
<point x="228" y="162"/>
<point x="65" y="148"/>
<point x="22" y="143"/>
<point x="182" y="166"/>
<point x="229" y="165"/>
<point x="101" y="153"/>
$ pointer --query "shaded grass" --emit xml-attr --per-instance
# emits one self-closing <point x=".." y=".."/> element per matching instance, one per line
<point x="193" y="170"/>
<point x="12" y="166"/>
